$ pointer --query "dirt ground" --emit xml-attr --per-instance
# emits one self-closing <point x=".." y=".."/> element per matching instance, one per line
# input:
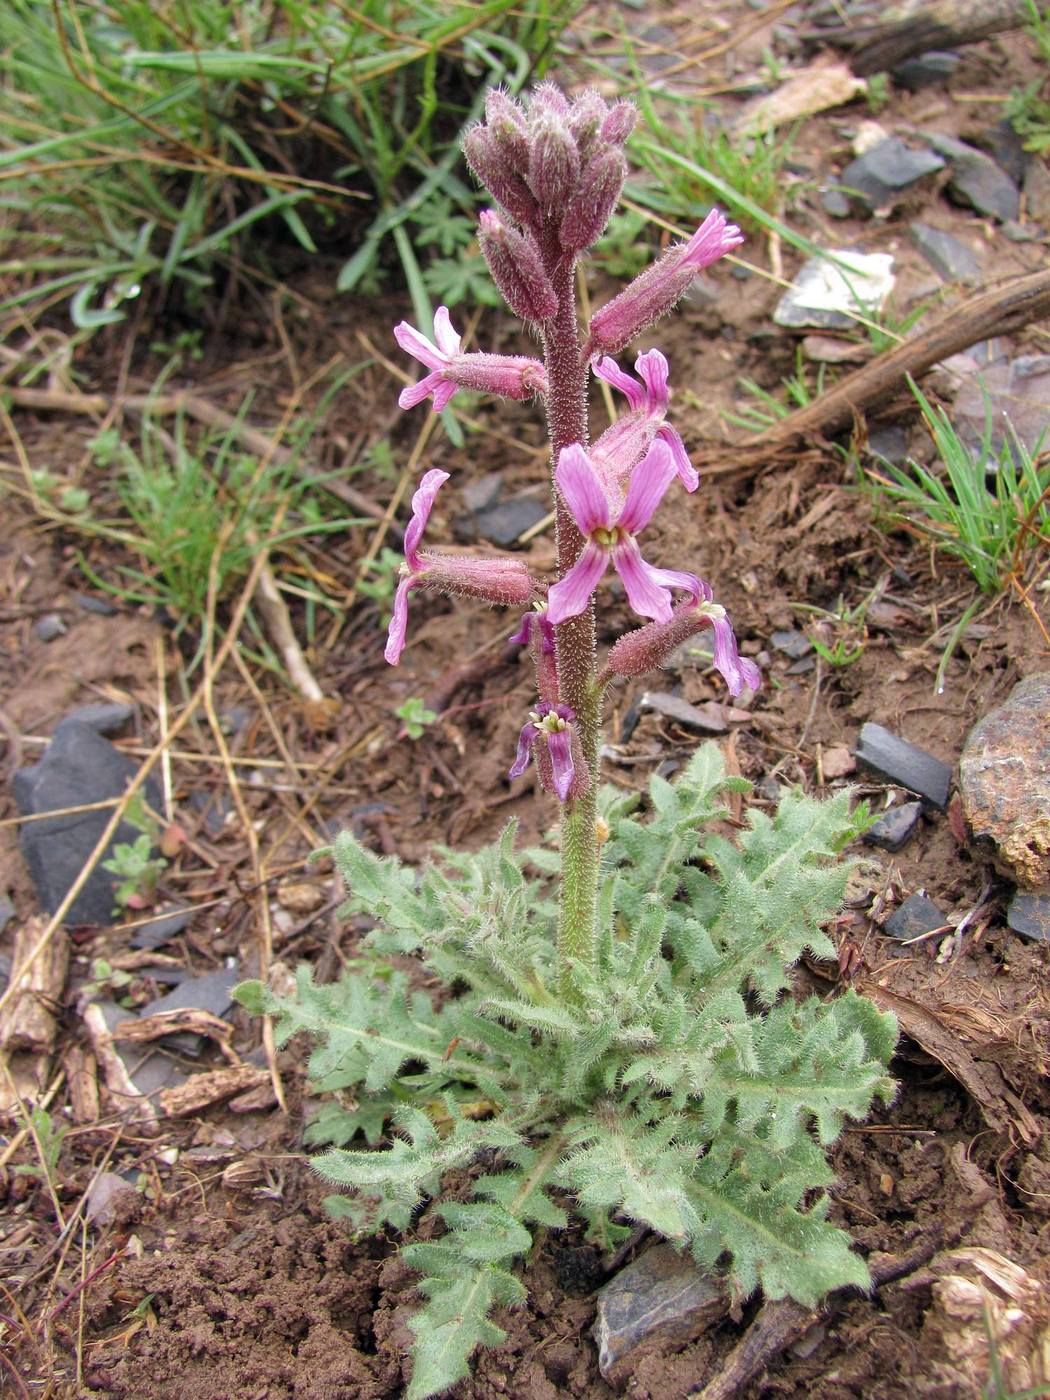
<point x="217" y="1275"/>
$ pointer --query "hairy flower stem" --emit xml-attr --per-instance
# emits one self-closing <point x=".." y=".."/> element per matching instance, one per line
<point x="575" y="639"/>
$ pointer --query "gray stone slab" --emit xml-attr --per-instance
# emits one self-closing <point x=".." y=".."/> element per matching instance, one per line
<point x="506" y="521"/>
<point x="1029" y="915"/>
<point x="926" y="70"/>
<point x="895" y="828"/>
<point x="916" y="916"/>
<point x="976" y="180"/>
<point x="878" y="177"/>
<point x="949" y="257"/>
<point x="663" y="1298"/>
<point x="904" y="764"/>
<point x="167" y="924"/>
<point x="208" y="993"/>
<point x="706" y="719"/>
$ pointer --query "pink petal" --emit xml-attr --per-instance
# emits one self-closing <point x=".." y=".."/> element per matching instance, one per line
<point x="422" y="504"/>
<point x="713" y="238"/>
<point x="559" y="746"/>
<point x="649" y="480"/>
<point x="689" y="583"/>
<point x="419" y="347"/>
<point x="442" y="393"/>
<point x="570" y="596"/>
<point x="736" y="670"/>
<point x="447" y="339"/>
<point x="395" y="637"/>
<point x="606" y="368"/>
<point x="686" y="472"/>
<point x="643" y="583"/>
<point x="525" y="738"/>
<point x="580" y="484"/>
<point x="651" y="368"/>
<point x="416" y="393"/>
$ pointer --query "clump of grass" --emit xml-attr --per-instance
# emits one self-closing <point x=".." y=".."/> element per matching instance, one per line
<point x="982" y="506"/>
<point x="765" y="408"/>
<point x="145" y="145"/>
<point x="1029" y="108"/>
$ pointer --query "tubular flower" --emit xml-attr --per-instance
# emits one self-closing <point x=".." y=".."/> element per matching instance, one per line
<point x="627" y="441"/>
<point x="656" y="290"/>
<point x="494" y="579"/>
<point x="649" y="647"/>
<point x="551" y="726"/>
<point x="610" y="536"/>
<point x="510" y="376"/>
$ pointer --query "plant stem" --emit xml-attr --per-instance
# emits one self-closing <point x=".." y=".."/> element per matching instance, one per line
<point x="575" y="639"/>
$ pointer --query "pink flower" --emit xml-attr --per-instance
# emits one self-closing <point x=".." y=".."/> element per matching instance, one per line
<point x="496" y="578"/>
<point x="626" y="442"/>
<point x="608" y="539"/>
<point x="649" y="647"/>
<point x="550" y="725"/>
<point x="510" y="376"/>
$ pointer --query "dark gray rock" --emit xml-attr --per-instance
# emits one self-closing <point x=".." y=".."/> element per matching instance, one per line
<point x="1004" y="782"/>
<point x="1037" y="189"/>
<point x="483" y="492"/>
<point x="904" y="764"/>
<point x="1017" y="232"/>
<point x="102" y="718"/>
<point x="926" y="70"/>
<point x="895" y="828"/>
<point x="706" y="719"/>
<point x="167" y="924"/>
<point x="662" y="1299"/>
<point x="506" y="521"/>
<point x="236" y="718"/>
<point x="791" y="642"/>
<point x="89" y="603"/>
<point x="1028" y="914"/>
<point x="1003" y="144"/>
<point x="7" y="911"/>
<point x="79" y="766"/>
<point x="950" y="259"/>
<point x="149" y="1068"/>
<point x="215" y="809"/>
<point x="877" y="177"/>
<point x="49" y="627"/>
<point x="889" y="440"/>
<point x="976" y="180"/>
<point x="208" y="993"/>
<point x="835" y="204"/>
<point x="916" y="916"/>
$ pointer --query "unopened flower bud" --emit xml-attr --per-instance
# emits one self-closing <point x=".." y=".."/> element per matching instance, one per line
<point x="493" y="169"/>
<point x="549" y="95"/>
<point x="507" y="376"/>
<point x="589" y="209"/>
<point x="647" y="648"/>
<point x="585" y="120"/>
<point x="505" y="122"/>
<point x="619" y="123"/>
<point x="554" y="161"/>
<point x="517" y="268"/>
<point x="656" y="290"/>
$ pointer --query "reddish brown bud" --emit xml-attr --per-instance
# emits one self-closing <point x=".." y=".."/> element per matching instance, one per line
<point x="517" y="268"/>
<point x="493" y="169"/>
<point x="619" y="123"/>
<point x="554" y="161"/>
<point x="590" y="208"/>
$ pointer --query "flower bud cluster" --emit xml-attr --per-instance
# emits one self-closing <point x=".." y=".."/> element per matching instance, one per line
<point x="557" y="169"/>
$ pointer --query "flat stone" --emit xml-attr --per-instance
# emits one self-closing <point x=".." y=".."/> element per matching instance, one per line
<point x="88" y="602"/>
<point x="877" y="177"/>
<point x="78" y="767"/>
<point x="50" y="627"/>
<point x="1004" y="782"/>
<point x="706" y="719"/>
<point x="215" y="809"/>
<point x="994" y="390"/>
<point x="950" y="258"/>
<point x="482" y="492"/>
<point x="208" y="993"/>
<point x="837" y="762"/>
<point x="895" y="828"/>
<point x="916" y="916"/>
<point x="926" y="70"/>
<point x="1005" y="147"/>
<point x="791" y="642"/>
<point x="827" y="296"/>
<point x="976" y="180"/>
<point x="661" y="1300"/>
<point x="1028" y="914"/>
<point x="1037" y="190"/>
<point x="104" y="718"/>
<point x="7" y="911"/>
<point x="167" y="925"/>
<point x="904" y="764"/>
<point x="505" y="522"/>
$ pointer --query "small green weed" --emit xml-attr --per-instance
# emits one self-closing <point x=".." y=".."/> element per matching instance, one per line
<point x="49" y="1136"/>
<point x="839" y="634"/>
<point x="1029" y="109"/>
<point x="983" y="508"/>
<point x="380" y="581"/>
<point x="766" y="408"/>
<point x="415" y="716"/>
<point x="138" y="871"/>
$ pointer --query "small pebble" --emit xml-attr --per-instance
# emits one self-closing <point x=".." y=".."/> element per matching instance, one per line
<point x="895" y="828"/>
<point x="916" y="916"/>
<point x="837" y="762"/>
<point x="49" y="627"/>
<point x="1029" y="915"/>
<point x="89" y="603"/>
<point x="791" y="643"/>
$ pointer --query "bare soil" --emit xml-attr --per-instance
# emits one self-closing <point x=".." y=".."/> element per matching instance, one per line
<point x="221" y="1278"/>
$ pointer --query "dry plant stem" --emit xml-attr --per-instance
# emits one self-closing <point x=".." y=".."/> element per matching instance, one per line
<point x="575" y="639"/>
<point x="279" y="624"/>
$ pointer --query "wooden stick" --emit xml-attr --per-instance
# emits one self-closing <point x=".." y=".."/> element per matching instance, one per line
<point x="989" y="313"/>
<point x="916" y="26"/>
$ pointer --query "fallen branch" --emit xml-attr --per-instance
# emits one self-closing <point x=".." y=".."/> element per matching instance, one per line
<point x="1000" y="311"/>
<point x="917" y="26"/>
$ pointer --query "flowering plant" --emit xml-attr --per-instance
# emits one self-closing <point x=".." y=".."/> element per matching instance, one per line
<point x="630" y="1052"/>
